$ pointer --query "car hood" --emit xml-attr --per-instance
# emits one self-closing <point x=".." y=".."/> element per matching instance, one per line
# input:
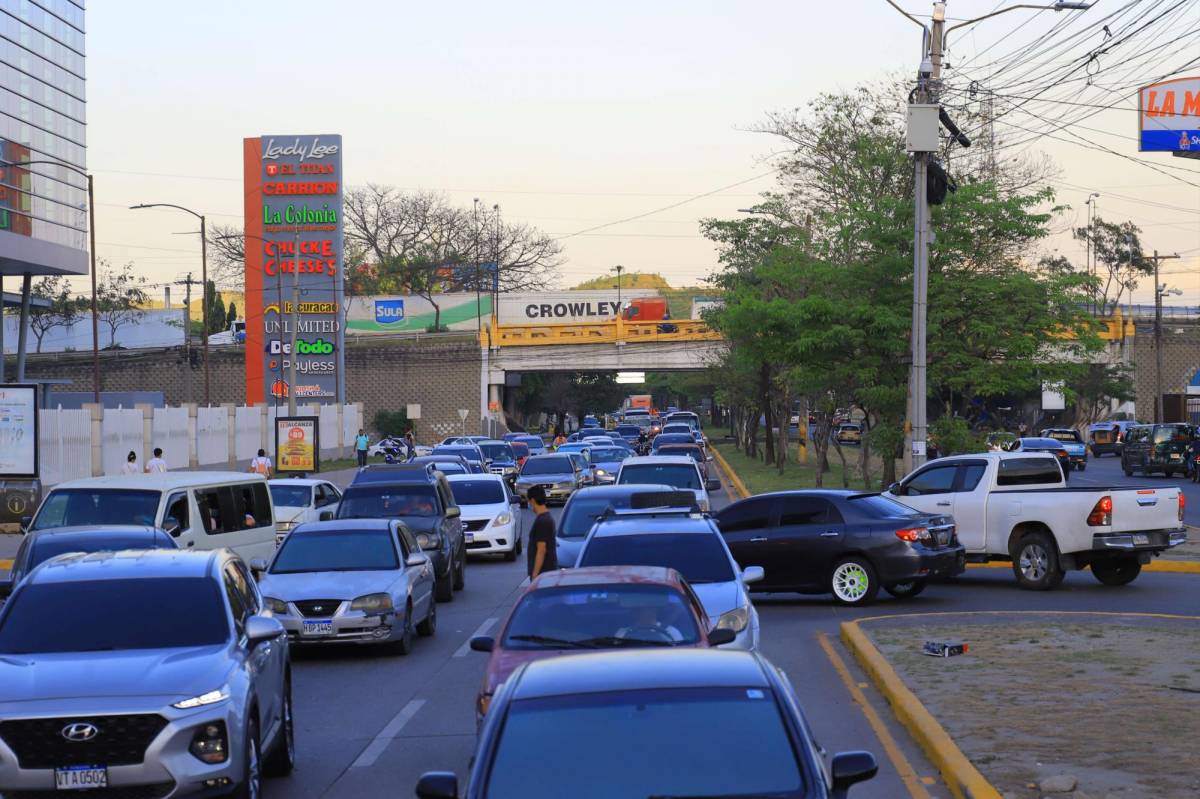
<point x="174" y="674"/>
<point x="422" y="524"/>
<point x="484" y="511"/>
<point x="718" y="598"/>
<point x="504" y="662"/>
<point x="327" y="585"/>
<point x="539" y="479"/>
<point x="288" y="513"/>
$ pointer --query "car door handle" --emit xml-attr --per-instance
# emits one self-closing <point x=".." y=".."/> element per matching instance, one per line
<point x="943" y="504"/>
<point x="757" y="540"/>
<point x="829" y="534"/>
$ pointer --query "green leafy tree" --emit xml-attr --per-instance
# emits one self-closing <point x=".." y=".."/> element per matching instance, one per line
<point x="231" y="313"/>
<point x="216" y="309"/>
<point x="120" y="298"/>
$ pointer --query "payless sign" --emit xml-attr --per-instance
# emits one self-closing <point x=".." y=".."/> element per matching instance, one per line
<point x="293" y="219"/>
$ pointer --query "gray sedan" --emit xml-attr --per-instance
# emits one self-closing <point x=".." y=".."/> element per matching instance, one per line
<point x="351" y="581"/>
<point x="557" y="473"/>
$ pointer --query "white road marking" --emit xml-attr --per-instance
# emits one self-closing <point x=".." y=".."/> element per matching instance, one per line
<point x="387" y="734"/>
<point x="483" y="628"/>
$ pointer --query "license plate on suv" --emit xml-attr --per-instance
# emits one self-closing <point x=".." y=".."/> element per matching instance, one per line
<point x="1141" y="539"/>
<point x="318" y="628"/>
<point x="80" y="778"/>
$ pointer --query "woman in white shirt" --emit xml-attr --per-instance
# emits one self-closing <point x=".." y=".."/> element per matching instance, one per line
<point x="131" y="465"/>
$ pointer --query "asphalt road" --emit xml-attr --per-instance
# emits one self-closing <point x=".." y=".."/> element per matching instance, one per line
<point x="369" y="724"/>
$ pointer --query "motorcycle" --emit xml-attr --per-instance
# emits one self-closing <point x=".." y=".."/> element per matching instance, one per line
<point x="1196" y="469"/>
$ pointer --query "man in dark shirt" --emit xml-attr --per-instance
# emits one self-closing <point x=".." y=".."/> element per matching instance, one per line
<point x="543" y="556"/>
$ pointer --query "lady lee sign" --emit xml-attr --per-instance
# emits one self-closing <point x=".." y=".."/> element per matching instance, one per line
<point x="1169" y="116"/>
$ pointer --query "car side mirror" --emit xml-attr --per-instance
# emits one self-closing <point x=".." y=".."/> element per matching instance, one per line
<point x="258" y="566"/>
<point x="325" y="516"/>
<point x="894" y="488"/>
<point x="437" y="785"/>
<point x="6" y="588"/>
<point x="721" y="636"/>
<point x="262" y="628"/>
<point x="752" y="574"/>
<point x="172" y="526"/>
<point x="453" y="513"/>
<point x="514" y="501"/>
<point x="850" y="768"/>
<point x="483" y="643"/>
<point x="714" y="483"/>
<point x="415" y="559"/>
<point x="25" y="522"/>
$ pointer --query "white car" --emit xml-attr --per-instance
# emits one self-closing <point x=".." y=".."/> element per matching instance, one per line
<point x="677" y="471"/>
<point x="300" y="501"/>
<point x="491" y="525"/>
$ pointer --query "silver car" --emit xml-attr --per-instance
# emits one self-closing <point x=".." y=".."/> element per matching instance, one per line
<point x="148" y="673"/>
<point x="363" y="581"/>
<point x="558" y="474"/>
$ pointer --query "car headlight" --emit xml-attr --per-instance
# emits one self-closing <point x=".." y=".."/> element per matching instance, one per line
<point x="210" y="698"/>
<point x="284" y="527"/>
<point x="564" y="485"/>
<point x="427" y="541"/>
<point x="601" y="473"/>
<point x="275" y="605"/>
<point x="502" y="519"/>
<point x="735" y="620"/>
<point x="372" y="603"/>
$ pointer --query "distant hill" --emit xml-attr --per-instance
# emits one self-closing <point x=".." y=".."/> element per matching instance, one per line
<point x="679" y="299"/>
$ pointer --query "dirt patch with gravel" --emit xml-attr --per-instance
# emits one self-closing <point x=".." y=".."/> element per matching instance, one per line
<point x="1113" y="703"/>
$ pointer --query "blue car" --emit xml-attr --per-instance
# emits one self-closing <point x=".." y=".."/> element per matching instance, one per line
<point x="1072" y="442"/>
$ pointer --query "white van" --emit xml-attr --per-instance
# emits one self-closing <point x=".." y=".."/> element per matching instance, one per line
<point x="201" y="510"/>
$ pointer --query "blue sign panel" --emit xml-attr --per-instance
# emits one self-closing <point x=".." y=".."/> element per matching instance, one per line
<point x="389" y="312"/>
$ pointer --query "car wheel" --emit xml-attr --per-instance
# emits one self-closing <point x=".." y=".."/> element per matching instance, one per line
<point x="853" y="581"/>
<point x="429" y="626"/>
<point x="511" y="554"/>
<point x="460" y="574"/>
<point x="1117" y="571"/>
<point x="404" y="644"/>
<point x="906" y="590"/>
<point x="282" y="758"/>
<point x="251" y="785"/>
<point x="1168" y="473"/>
<point x="445" y="588"/>
<point x="1035" y="563"/>
<point x="1127" y="469"/>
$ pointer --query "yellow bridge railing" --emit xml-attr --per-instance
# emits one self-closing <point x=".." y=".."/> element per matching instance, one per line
<point x="598" y="333"/>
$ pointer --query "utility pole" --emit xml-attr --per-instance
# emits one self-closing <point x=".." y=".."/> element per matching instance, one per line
<point x="1159" y="290"/>
<point x="187" y="335"/>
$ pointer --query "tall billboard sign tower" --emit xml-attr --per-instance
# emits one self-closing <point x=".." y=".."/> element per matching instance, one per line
<point x="294" y="262"/>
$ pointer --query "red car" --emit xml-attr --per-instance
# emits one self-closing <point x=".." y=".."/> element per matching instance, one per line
<point x="597" y="607"/>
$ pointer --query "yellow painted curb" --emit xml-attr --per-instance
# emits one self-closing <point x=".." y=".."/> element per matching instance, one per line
<point x="738" y="486"/>
<point x="963" y="779"/>
<point x="1173" y="566"/>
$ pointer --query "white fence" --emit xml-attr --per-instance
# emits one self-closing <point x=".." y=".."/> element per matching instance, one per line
<point x="96" y="441"/>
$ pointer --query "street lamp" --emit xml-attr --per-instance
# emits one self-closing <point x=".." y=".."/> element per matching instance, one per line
<point x="203" y="278"/>
<point x="92" y="236"/>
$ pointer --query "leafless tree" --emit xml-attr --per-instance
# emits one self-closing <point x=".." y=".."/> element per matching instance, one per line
<point x="227" y="256"/>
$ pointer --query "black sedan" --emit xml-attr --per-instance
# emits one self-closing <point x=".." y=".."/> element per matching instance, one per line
<point x="39" y="546"/>
<point x="840" y="542"/>
<point x="658" y="723"/>
<point x="1039" y="444"/>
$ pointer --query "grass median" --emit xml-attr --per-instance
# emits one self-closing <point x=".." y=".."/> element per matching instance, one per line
<point x="760" y="477"/>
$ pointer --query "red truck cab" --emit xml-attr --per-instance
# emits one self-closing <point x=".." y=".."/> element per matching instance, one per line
<point x="646" y="309"/>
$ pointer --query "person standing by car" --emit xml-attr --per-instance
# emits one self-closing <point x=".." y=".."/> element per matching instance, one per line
<point x="131" y="465"/>
<point x="1193" y="452"/>
<point x="156" y="465"/>
<point x="261" y="464"/>
<point x="543" y="556"/>
<point x="361" y="442"/>
<point x="411" y="442"/>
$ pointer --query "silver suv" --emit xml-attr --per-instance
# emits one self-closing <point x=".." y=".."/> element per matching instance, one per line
<point x="148" y="669"/>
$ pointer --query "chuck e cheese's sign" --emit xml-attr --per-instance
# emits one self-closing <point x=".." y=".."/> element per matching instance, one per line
<point x="293" y="215"/>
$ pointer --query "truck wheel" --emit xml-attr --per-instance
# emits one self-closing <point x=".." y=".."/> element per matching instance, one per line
<point x="1081" y="467"/>
<point x="1168" y="473"/>
<point x="1035" y="563"/>
<point x="906" y="590"/>
<point x="853" y="582"/>
<point x="1127" y="469"/>
<point x="1117" y="571"/>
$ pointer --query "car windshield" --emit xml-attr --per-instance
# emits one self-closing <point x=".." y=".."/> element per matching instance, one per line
<point x="1066" y="435"/>
<point x="477" y="492"/>
<point x="601" y="616"/>
<point x="692" y="451"/>
<point x="560" y="465"/>
<point x="51" y="545"/>
<point x="699" y="557"/>
<point x="673" y="438"/>
<point x="105" y="615"/>
<point x="582" y="511"/>
<point x="497" y="452"/>
<point x="609" y="454"/>
<point x="617" y="744"/>
<point x="449" y="467"/>
<point x="88" y="507"/>
<point x="291" y="496"/>
<point x="385" y="502"/>
<point x="520" y="449"/>
<point x="676" y="475"/>
<point x="470" y="453"/>
<point x="875" y="506"/>
<point x="336" y="551"/>
<point x="628" y="429"/>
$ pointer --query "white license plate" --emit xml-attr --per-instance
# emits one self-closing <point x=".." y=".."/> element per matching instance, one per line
<point x="1141" y="539"/>
<point x="318" y="628"/>
<point x="469" y="537"/>
<point x="1175" y="456"/>
<point x="80" y="778"/>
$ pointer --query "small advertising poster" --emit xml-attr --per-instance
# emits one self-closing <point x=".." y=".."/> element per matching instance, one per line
<point x="18" y="430"/>
<point x="297" y="449"/>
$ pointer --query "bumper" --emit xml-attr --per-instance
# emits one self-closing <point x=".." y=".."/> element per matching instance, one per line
<point x="345" y="627"/>
<point x="168" y="769"/>
<point x="492" y="540"/>
<point x="552" y="494"/>
<point x="1078" y="459"/>
<point x="1150" y="541"/>
<point x="917" y="562"/>
<point x="1104" y="449"/>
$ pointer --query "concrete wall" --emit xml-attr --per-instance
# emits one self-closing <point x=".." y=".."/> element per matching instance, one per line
<point x="442" y="376"/>
<point x="1181" y="359"/>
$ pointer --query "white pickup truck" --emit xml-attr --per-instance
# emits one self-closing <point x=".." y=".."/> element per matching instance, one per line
<point x="1017" y="506"/>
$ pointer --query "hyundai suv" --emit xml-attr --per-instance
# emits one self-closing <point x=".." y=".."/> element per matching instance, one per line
<point x="106" y="688"/>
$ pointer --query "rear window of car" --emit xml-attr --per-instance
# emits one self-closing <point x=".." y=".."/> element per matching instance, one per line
<point x="87" y="507"/>
<point x="699" y="557"/>
<point x="559" y="465"/>
<point x="601" y="615"/>
<point x="1069" y="436"/>
<point x="1163" y="435"/>
<point x="676" y="475"/>
<point x="1028" y="471"/>
<point x="104" y="615"/>
<point x="51" y="545"/>
<point x="874" y="506"/>
<point x="470" y="453"/>
<point x="520" y="449"/>
<point x="477" y="492"/>
<point x="386" y="502"/>
<point x="292" y="496"/>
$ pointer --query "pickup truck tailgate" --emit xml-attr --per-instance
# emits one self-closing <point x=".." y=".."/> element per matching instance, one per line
<point x="1143" y="509"/>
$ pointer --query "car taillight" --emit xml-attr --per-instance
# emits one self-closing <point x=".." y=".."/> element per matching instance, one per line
<point x="1101" y="515"/>
<point x="1062" y="453"/>
<point x="913" y="534"/>
<point x="1182" y="502"/>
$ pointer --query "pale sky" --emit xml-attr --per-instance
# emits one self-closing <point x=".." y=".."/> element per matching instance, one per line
<point x="567" y="115"/>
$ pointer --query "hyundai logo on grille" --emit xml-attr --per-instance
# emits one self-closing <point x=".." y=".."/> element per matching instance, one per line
<point x="80" y="731"/>
<point x="318" y="608"/>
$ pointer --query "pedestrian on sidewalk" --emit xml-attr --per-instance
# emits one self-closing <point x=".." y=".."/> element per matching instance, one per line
<point x="156" y="465"/>
<point x="543" y="556"/>
<point x="131" y="465"/>
<point x="261" y="464"/>
<point x="361" y="442"/>
<point x="411" y="443"/>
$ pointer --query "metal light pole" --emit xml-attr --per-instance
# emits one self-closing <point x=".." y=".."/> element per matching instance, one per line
<point x="203" y="278"/>
<point x="92" y="237"/>
<point x="1091" y="243"/>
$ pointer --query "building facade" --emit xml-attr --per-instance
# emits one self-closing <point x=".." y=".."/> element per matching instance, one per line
<point x="43" y="208"/>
